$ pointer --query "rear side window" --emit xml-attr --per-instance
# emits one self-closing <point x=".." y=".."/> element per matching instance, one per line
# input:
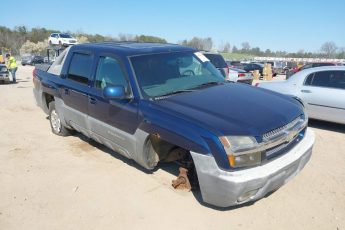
<point x="309" y="79"/>
<point x="217" y="60"/>
<point x="331" y="79"/>
<point x="80" y="68"/>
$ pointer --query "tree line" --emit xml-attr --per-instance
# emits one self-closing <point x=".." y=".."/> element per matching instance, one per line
<point x="24" y="40"/>
<point x="327" y="50"/>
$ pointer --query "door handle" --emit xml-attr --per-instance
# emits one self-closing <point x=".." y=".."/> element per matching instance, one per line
<point x="66" y="91"/>
<point x="305" y="91"/>
<point x="92" y="100"/>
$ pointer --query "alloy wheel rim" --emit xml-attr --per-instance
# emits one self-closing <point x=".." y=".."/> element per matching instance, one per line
<point x="55" y="121"/>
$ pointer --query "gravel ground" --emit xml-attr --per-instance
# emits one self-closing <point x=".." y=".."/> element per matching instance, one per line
<point x="52" y="182"/>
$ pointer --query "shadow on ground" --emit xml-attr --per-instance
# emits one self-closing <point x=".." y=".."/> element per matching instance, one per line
<point x="327" y="126"/>
<point x="171" y="168"/>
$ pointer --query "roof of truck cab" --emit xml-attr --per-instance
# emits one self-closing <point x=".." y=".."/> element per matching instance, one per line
<point x="134" y="48"/>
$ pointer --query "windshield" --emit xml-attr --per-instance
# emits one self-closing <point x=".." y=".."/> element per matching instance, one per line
<point x="162" y="74"/>
<point x="3" y="69"/>
<point x="65" y="36"/>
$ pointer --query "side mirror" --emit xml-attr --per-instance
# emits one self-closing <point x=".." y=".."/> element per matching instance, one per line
<point x="114" y="92"/>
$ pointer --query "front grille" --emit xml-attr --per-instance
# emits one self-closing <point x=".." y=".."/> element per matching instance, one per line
<point x="279" y="131"/>
<point x="281" y="140"/>
<point x="284" y="147"/>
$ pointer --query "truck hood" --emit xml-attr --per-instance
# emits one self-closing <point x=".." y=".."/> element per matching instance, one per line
<point x="232" y="109"/>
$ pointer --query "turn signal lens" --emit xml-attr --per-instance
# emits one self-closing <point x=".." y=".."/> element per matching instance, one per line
<point x="245" y="160"/>
<point x="231" y="160"/>
<point x="225" y="142"/>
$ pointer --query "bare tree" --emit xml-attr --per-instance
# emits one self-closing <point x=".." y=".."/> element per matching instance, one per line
<point x="245" y="46"/>
<point x="341" y="53"/>
<point x="226" y="48"/>
<point x="126" y="37"/>
<point x="221" y="46"/>
<point x="234" y="49"/>
<point x="329" y="48"/>
<point x="199" y="43"/>
<point x="34" y="48"/>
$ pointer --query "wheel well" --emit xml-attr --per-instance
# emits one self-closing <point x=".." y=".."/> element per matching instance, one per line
<point x="48" y="98"/>
<point x="168" y="152"/>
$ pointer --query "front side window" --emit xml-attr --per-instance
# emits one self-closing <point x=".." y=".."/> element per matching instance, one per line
<point x="162" y="74"/>
<point x="109" y="73"/>
<point x="331" y="79"/>
<point x="80" y="68"/>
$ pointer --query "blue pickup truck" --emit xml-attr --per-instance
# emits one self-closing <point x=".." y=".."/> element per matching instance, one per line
<point x="167" y="103"/>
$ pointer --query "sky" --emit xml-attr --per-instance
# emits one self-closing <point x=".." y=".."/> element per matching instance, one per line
<point x="289" y="25"/>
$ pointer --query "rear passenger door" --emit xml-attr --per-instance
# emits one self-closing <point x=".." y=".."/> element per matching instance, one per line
<point x="324" y="94"/>
<point x="112" y="122"/>
<point x="75" y="90"/>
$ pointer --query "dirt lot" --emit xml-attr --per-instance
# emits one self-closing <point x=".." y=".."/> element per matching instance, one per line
<point x="51" y="182"/>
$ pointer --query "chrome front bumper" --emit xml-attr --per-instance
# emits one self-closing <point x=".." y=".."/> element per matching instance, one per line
<point x="224" y="188"/>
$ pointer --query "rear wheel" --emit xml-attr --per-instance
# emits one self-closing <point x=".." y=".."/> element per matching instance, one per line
<point x="55" y="121"/>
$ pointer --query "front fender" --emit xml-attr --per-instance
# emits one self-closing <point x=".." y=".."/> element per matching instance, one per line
<point x="184" y="134"/>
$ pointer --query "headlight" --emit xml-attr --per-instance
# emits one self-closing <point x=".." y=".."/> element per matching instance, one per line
<point x="241" y="151"/>
<point x="306" y="118"/>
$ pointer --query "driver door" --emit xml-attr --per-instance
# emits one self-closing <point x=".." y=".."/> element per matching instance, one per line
<point x="112" y="122"/>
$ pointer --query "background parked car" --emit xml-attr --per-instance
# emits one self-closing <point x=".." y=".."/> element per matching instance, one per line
<point x="307" y="66"/>
<point x="218" y="61"/>
<point x="235" y="64"/>
<point x="62" y="39"/>
<point x="278" y="67"/>
<point x="240" y="75"/>
<point x="321" y="89"/>
<point x="248" y="67"/>
<point x="288" y="66"/>
<point x="32" y="60"/>
<point x="4" y="74"/>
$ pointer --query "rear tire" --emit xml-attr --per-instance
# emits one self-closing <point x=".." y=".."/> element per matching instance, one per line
<point x="55" y="121"/>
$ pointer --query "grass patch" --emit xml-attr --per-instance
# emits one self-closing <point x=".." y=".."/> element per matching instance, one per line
<point x="237" y="56"/>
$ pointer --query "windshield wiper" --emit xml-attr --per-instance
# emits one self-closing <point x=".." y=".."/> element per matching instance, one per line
<point x="174" y="92"/>
<point x="211" y="83"/>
